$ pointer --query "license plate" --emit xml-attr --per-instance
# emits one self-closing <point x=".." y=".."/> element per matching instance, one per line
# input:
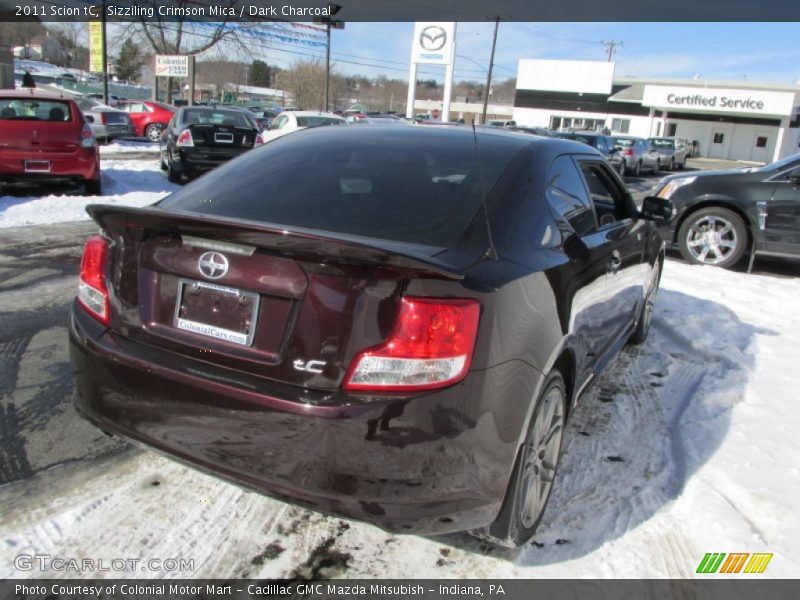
<point x="216" y="311"/>
<point x="37" y="166"/>
<point x="223" y="138"/>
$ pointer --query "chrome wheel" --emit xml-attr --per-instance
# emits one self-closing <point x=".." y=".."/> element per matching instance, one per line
<point x="711" y="239"/>
<point x="541" y="457"/>
<point x="153" y="132"/>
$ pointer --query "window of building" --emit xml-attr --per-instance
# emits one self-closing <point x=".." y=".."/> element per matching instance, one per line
<point x="672" y="129"/>
<point x="718" y="137"/>
<point x="761" y="142"/>
<point x="620" y="125"/>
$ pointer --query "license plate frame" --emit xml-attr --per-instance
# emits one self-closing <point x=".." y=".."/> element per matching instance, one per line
<point x="214" y="331"/>
<point x="223" y="137"/>
<point x="37" y="166"/>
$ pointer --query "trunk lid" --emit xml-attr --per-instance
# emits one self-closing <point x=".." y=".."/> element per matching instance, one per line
<point x="293" y="306"/>
<point x="222" y="136"/>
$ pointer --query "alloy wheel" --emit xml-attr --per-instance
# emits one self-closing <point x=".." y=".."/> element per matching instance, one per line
<point x="541" y="457"/>
<point x="711" y="239"/>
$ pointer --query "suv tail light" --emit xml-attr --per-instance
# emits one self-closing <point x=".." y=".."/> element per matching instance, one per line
<point x="92" y="290"/>
<point x="629" y="152"/>
<point x="430" y="347"/>
<point x="87" y="137"/>
<point x="185" y="139"/>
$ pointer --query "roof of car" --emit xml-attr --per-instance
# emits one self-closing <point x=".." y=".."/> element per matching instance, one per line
<point x="315" y="113"/>
<point x="33" y="93"/>
<point x="455" y="133"/>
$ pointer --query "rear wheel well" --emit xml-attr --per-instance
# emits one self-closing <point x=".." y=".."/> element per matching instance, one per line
<point x="708" y="204"/>
<point x="565" y="364"/>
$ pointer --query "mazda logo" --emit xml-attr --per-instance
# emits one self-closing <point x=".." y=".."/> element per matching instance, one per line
<point x="432" y="38"/>
<point x="213" y="265"/>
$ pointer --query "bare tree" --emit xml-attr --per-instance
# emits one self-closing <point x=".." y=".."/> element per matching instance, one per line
<point x="305" y="80"/>
<point x="186" y="37"/>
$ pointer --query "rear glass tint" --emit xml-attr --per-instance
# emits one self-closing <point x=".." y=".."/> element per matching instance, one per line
<point x="34" y="109"/>
<point x="383" y="182"/>
<point x="668" y="144"/>
<point x="229" y="118"/>
<point x="318" y="121"/>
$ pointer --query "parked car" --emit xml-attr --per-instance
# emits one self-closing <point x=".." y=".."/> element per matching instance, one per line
<point x="106" y="122"/>
<point x="720" y="215"/>
<point x="637" y="155"/>
<point x="264" y="117"/>
<point x="200" y="138"/>
<point x="397" y="335"/>
<point x="534" y="130"/>
<point x="672" y="154"/>
<point x="501" y="123"/>
<point x="687" y="145"/>
<point x="46" y="139"/>
<point x="600" y="142"/>
<point x="113" y="99"/>
<point x="295" y="120"/>
<point x="149" y="118"/>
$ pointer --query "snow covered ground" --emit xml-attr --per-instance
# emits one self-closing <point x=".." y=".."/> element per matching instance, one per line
<point x="127" y="182"/>
<point x="688" y="445"/>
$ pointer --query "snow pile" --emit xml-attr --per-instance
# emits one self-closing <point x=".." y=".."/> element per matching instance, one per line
<point x="125" y="182"/>
<point x="119" y="148"/>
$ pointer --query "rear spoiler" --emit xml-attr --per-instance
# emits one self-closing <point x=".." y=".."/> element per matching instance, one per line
<point x="295" y="242"/>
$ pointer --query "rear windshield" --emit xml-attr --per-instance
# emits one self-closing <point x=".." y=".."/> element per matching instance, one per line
<point x="33" y="109"/>
<point x="664" y="143"/>
<point x="318" y="121"/>
<point x="230" y="118"/>
<point x="624" y="142"/>
<point x="383" y="184"/>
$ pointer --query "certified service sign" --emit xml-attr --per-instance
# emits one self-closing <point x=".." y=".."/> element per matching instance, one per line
<point x="434" y="43"/>
<point x="172" y="65"/>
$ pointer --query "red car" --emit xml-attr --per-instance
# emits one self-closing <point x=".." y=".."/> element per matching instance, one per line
<point x="44" y="137"/>
<point x="149" y="118"/>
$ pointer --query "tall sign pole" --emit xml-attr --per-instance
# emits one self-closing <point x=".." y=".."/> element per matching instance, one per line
<point x="327" y="64"/>
<point x="105" y="58"/>
<point x="433" y="44"/>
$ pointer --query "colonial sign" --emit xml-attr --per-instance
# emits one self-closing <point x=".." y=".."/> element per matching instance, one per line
<point x="718" y="100"/>
<point x="170" y="65"/>
<point x="96" y="47"/>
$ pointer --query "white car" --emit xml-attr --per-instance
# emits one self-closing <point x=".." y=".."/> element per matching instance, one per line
<point x="287" y="122"/>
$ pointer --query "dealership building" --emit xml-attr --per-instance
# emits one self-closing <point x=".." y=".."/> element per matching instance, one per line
<point x="731" y="120"/>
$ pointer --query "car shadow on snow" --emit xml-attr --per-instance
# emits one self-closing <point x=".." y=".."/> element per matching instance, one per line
<point x="657" y="414"/>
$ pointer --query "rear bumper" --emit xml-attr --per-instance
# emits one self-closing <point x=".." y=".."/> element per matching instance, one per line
<point x="427" y="464"/>
<point x="196" y="160"/>
<point x="111" y="132"/>
<point x="83" y="164"/>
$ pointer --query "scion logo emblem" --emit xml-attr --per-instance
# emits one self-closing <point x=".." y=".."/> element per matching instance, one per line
<point x="432" y="38"/>
<point x="213" y="265"/>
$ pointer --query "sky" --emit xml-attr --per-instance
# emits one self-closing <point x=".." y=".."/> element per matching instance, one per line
<point x="764" y="52"/>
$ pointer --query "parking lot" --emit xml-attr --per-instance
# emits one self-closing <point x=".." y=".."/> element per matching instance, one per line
<point x="685" y="434"/>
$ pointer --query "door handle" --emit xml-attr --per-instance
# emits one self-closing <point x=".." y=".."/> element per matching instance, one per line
<point x="615" y="262"/>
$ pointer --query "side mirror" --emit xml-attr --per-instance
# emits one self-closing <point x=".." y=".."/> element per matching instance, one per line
<point x="657" y="209"/>
<point x="89" y="118"/>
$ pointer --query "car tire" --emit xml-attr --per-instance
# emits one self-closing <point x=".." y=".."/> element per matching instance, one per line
<point x="637" y="170"/>
<point x="153" y="131"/>
<point x="682" y="165"/>
<point x="713" y="236"/>
<point x="639" y="334"/>
<point x="534" y="469"/>
<point x="93" y="187"/>
<point x="172" y="175"/>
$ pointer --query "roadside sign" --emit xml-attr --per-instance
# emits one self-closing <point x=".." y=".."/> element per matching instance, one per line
<point x="172" y="65"/>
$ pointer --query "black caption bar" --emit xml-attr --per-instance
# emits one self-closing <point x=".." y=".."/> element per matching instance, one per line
<point x="401" y="10"/>
<point x="396" y="589"/>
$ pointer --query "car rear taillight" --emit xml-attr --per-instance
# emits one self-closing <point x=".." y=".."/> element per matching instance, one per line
<point x="92" y="290"/>
<point x="430" y="347"/>
<point x="259" y="140"/>
<point x="103" y="118"/>
<point x="185" y="139"/>
<point x="87" y="137"/>
<point x="629" y="152"/>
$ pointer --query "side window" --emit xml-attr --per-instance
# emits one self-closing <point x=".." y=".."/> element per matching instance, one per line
<point x="601" y="145"/>
<point x="567" y="195"/>
<point x="610" y="202"/>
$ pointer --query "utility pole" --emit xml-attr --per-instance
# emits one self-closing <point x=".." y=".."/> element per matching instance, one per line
<point x="489" y="74"/>
<point x="327" y="63"/>
<point x="105" y="58"/>
<point x="611" y="48"/>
